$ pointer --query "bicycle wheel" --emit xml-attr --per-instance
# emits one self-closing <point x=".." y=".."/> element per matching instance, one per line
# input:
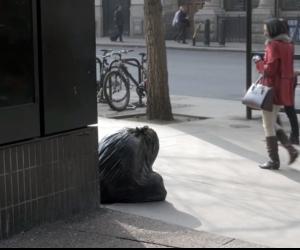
<point x="116" y="91"/>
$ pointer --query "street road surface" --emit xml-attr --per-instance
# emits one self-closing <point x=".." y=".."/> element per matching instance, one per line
<point x="220" y="75"/>
<point x="207" y="74"/>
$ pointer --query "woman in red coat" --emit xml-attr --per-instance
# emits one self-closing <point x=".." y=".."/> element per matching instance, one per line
<point x="278" y="71"/>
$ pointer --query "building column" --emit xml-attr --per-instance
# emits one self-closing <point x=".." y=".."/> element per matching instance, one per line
<point x="266" y="4"/>
<point x="211" y="11"/>
<point x="265" y="10"/>
<point x="99" y="18"/>
<point x="170" y="7"/>
<point x="137" y="18"/>
<point x="213" y="4"/>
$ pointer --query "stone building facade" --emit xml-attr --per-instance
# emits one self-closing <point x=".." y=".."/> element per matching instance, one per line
<point x="233" y="11"/>
<point x="135" y="14"/>
<point x="135" y="19"/>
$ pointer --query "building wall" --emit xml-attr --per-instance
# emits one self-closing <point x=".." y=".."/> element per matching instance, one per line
<point x="99" y="18"/>
<point x="48" y="179"/>
<point x="137" y="16"/>
<point x="212" y="10"/>
<point x="263" y="9"/>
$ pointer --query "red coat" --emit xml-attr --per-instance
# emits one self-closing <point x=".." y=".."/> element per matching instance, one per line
<point x="278" y="69"/>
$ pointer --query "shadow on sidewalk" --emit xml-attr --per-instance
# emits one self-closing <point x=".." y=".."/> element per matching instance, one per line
<point x="166" y="211"/>
<point x="105" y="228"/>
<point x="225" y="144"/>
<point x="95" y="229"/>
<point x="291" y="174"/>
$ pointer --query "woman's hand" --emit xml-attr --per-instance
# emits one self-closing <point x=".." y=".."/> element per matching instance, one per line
<point x="256" y="59"/>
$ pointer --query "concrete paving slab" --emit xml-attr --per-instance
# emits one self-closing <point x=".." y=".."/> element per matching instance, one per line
<point x="149" y="231"/>
<point x="240" y="244"/>
<point x="110" y="229"/>
<point x="116" y="243"/>
<point x="184" y="105"/>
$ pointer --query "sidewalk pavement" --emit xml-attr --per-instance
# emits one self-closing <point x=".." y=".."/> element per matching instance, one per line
<point x="210" y="168"/>
<point x="140" y="43"/>
<point x="216" y="192"/>
<point x="108" y="229"/>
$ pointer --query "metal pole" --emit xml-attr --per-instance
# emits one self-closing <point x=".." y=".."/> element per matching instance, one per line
<point x="277" y="13"/>
<point x="207" y="33"/>
<point x="249" y="52"/>
<point x="222" y="32"/>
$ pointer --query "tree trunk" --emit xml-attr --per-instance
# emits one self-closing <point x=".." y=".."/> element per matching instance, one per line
<point x="159" y="104"/>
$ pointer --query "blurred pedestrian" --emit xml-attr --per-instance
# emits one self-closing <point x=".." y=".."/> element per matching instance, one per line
<point x="119" y="22"/>
<point x="175" y="23"/>
<point x="277" y="69"/>
<point x="181" y="20"/>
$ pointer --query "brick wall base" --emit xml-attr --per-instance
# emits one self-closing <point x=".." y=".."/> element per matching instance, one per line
<point x="47" y="179"/>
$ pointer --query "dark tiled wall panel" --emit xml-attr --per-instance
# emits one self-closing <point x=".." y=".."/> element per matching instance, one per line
<point x="47" y="179"/>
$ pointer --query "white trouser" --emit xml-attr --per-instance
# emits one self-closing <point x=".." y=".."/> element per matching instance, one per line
<point x="270" y="121"/>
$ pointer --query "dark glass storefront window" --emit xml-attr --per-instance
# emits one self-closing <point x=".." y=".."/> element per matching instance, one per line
<point x="238" y="5"/>
<point x="16" y="53"/>
<point x="290" y="5"/>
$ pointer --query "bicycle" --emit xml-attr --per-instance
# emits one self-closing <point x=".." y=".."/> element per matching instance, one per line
<point x="104" y="67"/>
<point x="118" y="82"/>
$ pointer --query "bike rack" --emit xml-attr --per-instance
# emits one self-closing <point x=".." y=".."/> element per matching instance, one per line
<point x="98" y="62"/>
<point x="135" y="63"/>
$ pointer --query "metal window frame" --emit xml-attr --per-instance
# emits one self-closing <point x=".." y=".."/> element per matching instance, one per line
<point x="18" y="123"/>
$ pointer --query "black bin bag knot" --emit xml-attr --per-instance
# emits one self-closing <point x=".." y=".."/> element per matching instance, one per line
<point x="126" y="167"/>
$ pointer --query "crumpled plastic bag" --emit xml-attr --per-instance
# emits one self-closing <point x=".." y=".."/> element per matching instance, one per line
<point x="125" y="166"/>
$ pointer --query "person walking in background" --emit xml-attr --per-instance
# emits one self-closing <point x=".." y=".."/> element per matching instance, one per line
<point x="175" y="23"/>
<point x="182" y="24"/>
<point x="119" y="23"/>
<point x="277" y="69"/>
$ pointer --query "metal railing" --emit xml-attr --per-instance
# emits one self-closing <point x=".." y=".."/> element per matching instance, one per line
<point x="234" y="28"/>
<point x="294" y="24"/>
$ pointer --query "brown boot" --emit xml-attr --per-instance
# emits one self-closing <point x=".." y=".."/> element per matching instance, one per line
<point x="294" y="154"/>
<point x="272" y="147"/>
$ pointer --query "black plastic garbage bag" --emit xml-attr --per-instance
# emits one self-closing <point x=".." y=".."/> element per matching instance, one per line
<point x="125" y="165"/>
